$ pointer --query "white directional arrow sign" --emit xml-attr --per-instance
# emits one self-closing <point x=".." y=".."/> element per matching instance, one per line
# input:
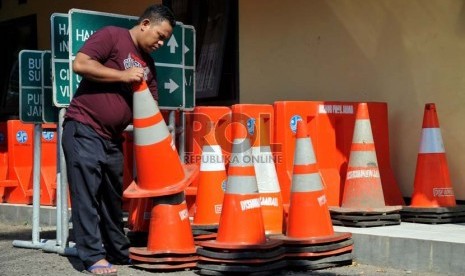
<point x="175" y="63"/>
<point x="172" y="43"/>
<point x="172" y="86"/>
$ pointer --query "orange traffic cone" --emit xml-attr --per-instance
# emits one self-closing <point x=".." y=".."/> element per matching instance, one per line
<point x="241" y="235"/>
<point x="139" y="220"/>
<point x="159" y="169"/>
<point x="362" y="189"/>
<point x="170" y="241"/>
<point x="211" y="183"/>
<point x="432" y="187"/>
<point x="139" y="214"/>
<point x="210" y="191"/>
<point x="267" y="181"/>
<point x="309" y="228"/>
<point x="433" y="194"/>
<point x="308" y="210"/>
<point x="241" y="204"/>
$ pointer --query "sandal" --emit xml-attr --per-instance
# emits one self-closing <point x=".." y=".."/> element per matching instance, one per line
<point x="91" y="270"/>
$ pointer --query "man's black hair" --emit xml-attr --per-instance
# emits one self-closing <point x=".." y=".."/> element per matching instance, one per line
<point x="158" y="13"/>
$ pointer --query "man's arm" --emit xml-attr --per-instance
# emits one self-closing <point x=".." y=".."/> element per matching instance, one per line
<point x="93" y="70"/>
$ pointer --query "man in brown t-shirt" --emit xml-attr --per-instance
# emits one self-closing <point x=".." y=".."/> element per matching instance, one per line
<point x="110" y="61"/>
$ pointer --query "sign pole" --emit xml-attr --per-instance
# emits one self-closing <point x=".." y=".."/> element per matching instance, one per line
<point x="30" y="88"/>
<point x="36" y="183"/>
<point x="61" y="99"/>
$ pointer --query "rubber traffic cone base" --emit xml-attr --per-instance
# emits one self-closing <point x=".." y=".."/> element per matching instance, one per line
<point x="338" y="251"/>
<point x="437" y="210"/>
<point x="134" y="191"/>
<point x="206" y="227"/>
<point x="365" y="217"/>
<point x="170" y="259"/>
<point x="268" y="244"/>
<point x="364" y="224"/>
<point x="204" y="232"/>
<point x="366" y="220"/>
<point x="165" y="267"/>
<point x="320" y="263"/>
<point x="377" y="210"/>
<point x="249" y="269"/>
<point x="314" y="240"/>
<point x="204" y="237"/>
<point x="434" y="215"/>
<point x="143" y="251"/>
<point x="256" y="260"/>
<point x="240" y="254"/>
<point x="315" y="248"/>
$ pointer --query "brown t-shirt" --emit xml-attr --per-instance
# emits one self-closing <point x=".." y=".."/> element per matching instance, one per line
<point x="107" y="107"/>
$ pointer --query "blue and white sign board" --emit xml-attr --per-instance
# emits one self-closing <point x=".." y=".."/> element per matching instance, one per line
<point x="175" y="61"/>
<point x="30" y="86"/>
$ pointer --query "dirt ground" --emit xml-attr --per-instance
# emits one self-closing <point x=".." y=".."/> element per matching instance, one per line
<point x="23" y="261"/>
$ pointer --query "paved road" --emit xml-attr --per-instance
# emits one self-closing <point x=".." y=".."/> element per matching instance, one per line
<point x="21" y="261"/>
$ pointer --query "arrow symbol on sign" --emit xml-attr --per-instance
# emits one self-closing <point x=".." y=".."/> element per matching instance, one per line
<point x="172" y="43"/>
<point x="172" y="86"/>
<point x="186" y="49"/>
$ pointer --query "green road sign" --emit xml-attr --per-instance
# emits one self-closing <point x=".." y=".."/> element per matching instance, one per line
<point x="30" y="86"/>
<point x="189" y="63"/>
<point x="189" y="46"/>
<point x="60" y="59"/>
<point x="171" y="52"/>
<point x="82" y="24"/>
<point x="49" y="111"/>
<point x="174" y="61"/>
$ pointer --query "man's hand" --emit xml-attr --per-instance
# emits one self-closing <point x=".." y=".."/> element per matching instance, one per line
<point x="134" y="74"/>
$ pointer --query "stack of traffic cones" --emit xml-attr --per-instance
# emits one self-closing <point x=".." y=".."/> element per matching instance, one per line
<point x="170" y="243"/>
<point x="162" y="177"/>
<point x="210" y="191"/>
<point x="310" y="240"/>
<point x="433" y="199"/>
<point x="139" y="220"/>
<point x="241" y="245"/>
<point x="267" y="181"/>
<point x="363" y="200"/>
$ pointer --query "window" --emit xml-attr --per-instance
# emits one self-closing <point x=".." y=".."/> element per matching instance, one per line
<point x="216" y="25"/>
<point x="22" y="34"/>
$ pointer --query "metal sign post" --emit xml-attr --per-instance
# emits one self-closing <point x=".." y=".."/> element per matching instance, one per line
<point x="61" y="97"/>
<point x="30" y="110"/>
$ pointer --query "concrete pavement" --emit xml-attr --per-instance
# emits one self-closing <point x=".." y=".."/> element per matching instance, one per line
<point x="408" y="247"/>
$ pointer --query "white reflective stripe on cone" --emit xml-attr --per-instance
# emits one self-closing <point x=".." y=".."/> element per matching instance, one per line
<point x="150" y="135"/>
<point x="212" y="159"/>
<point x="310" y="182"/>
<point x="431" y="141"/>
<point x="304" y="155"/>
<point x="363" y="159"/>
<point x="362" y="131"/>
<point x="241" y="185"/>
<point x="144" y="105"/>
<point x="265" y="171"/>
<point x="241" y="153"/>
